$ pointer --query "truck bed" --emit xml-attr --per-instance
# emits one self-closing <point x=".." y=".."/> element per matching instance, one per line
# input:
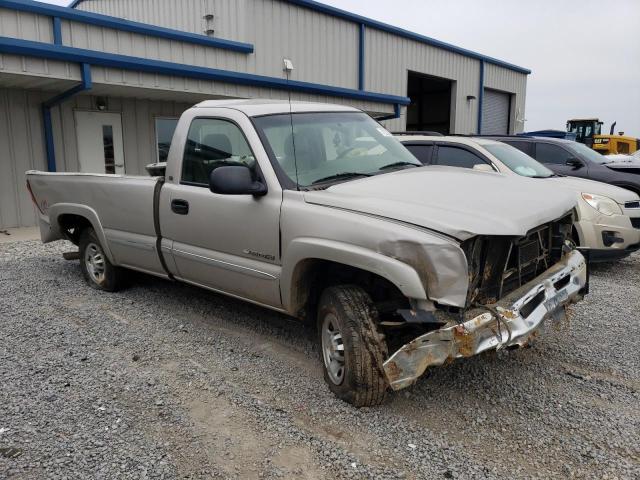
<point x="119" y="207"/>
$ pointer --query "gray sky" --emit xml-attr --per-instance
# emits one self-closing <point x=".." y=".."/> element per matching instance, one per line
<point x="584" y="54"/>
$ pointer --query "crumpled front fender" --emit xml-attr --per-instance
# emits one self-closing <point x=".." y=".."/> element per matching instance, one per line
<point x="511" y="322"/>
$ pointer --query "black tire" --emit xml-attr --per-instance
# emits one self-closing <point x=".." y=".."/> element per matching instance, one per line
<point x="362" y="382"/>
<point x="112" y="278"/>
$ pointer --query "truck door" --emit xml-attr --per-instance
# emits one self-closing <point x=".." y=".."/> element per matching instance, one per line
<point x="227" y="243"/>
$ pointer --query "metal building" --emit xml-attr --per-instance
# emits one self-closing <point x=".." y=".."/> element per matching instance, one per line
<point x="98" y="86"/>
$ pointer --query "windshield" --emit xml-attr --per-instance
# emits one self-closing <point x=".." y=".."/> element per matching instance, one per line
<point x="330" y="146"/>
<point x="518" y="161"/>
<point x="585" y="152"/>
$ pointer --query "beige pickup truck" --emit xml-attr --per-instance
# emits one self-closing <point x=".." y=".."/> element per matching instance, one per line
<point x="316" y="211"/>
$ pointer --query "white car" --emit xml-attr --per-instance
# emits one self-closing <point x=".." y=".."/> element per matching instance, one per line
<point x="624" y="157"/>
<point x="607" y="217"/>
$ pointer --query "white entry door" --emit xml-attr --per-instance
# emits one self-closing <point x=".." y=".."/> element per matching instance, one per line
<point x="100" y="148"/>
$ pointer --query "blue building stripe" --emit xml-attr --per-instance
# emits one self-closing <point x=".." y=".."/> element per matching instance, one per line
<point x="361" y="54"/>
<point x="480" y="98"/>
<point x="47" y="124"/>
<point x="124" y="25"/>
<point x="57" y="30"/>
<point x="78" y="55"/>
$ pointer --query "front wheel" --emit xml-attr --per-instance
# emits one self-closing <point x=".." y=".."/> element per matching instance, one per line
<point x="98" y="271"/>
<point x="352" y="349"/>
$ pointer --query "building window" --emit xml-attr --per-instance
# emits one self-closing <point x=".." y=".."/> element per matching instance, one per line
<point x="164" y="133"/>
<point x="107" y="143"/>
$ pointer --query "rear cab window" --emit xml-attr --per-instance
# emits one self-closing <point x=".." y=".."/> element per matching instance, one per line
<point x="526" y="147"/>
<point x="422" y="151"/>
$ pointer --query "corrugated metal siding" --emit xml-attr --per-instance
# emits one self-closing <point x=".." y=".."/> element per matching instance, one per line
<point x="49" y="71"/>
<point x="323" y="49"/>
<point x="22" y="149"/>
<point x="389" y="59"/>
<point x="25" y="25"/>
<point x="29" y="26"/>
<point x="513" y="82"/>
<point x="185" y="15"/>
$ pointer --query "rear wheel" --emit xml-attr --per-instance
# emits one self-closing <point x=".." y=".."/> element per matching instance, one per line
<point x="352" y="349"/>
<point x="98" y="271"/>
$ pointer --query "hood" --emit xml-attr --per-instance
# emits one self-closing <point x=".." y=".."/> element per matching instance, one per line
<point x="624" y="167"/>
<point x="621" y="158"/>
<point x="458" y="202"/>
<point x="582" y="185"/>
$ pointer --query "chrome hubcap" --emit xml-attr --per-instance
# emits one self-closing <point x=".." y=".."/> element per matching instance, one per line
<point x="94" y="261"/>
<point x="333" y="348"/>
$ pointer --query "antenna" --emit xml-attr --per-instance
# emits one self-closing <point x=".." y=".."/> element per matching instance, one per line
<point x="288" y="68"/>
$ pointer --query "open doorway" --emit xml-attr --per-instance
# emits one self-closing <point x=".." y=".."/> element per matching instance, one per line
<point x="430" y="108"/>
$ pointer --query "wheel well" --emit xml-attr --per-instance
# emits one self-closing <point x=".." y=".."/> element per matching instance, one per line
<point x="72" y="225"/>
<point x="312" y="276"/>
<point x="575" y="236"/>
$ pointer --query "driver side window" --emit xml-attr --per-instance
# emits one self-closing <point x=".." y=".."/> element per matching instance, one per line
<point x="213" y="143"/>
<point x="548" y="153"/>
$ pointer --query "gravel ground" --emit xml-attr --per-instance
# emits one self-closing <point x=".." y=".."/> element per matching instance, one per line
<point x="168" y="381"/>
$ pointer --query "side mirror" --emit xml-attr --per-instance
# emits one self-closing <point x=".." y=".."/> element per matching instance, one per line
<point x="483" y="167"/>
<point x="575" y="162"/>
<point x="235" y="180"/>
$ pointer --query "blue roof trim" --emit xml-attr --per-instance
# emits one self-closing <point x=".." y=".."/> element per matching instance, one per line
<point x="78" y="55"/>
<point x="124" y="25"/>
<point x="385" y="27"/>
<point x="57" y="30"/>
<point x="480" y="97"/>
<point x="361" y="56"/>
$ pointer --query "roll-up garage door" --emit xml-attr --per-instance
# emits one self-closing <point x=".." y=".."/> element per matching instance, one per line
<point x="495" y="112"/>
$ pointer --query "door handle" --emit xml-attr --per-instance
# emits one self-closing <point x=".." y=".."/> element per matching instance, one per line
<point x="181" y="207"/>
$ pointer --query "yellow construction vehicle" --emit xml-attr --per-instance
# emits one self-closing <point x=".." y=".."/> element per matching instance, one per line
<point x="584" y="129"/>
<point x="589" y="132"/>
<point x="606" y="144"/>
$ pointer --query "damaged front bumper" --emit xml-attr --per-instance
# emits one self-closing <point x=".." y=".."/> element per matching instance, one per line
<point x="510" y="322"/>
